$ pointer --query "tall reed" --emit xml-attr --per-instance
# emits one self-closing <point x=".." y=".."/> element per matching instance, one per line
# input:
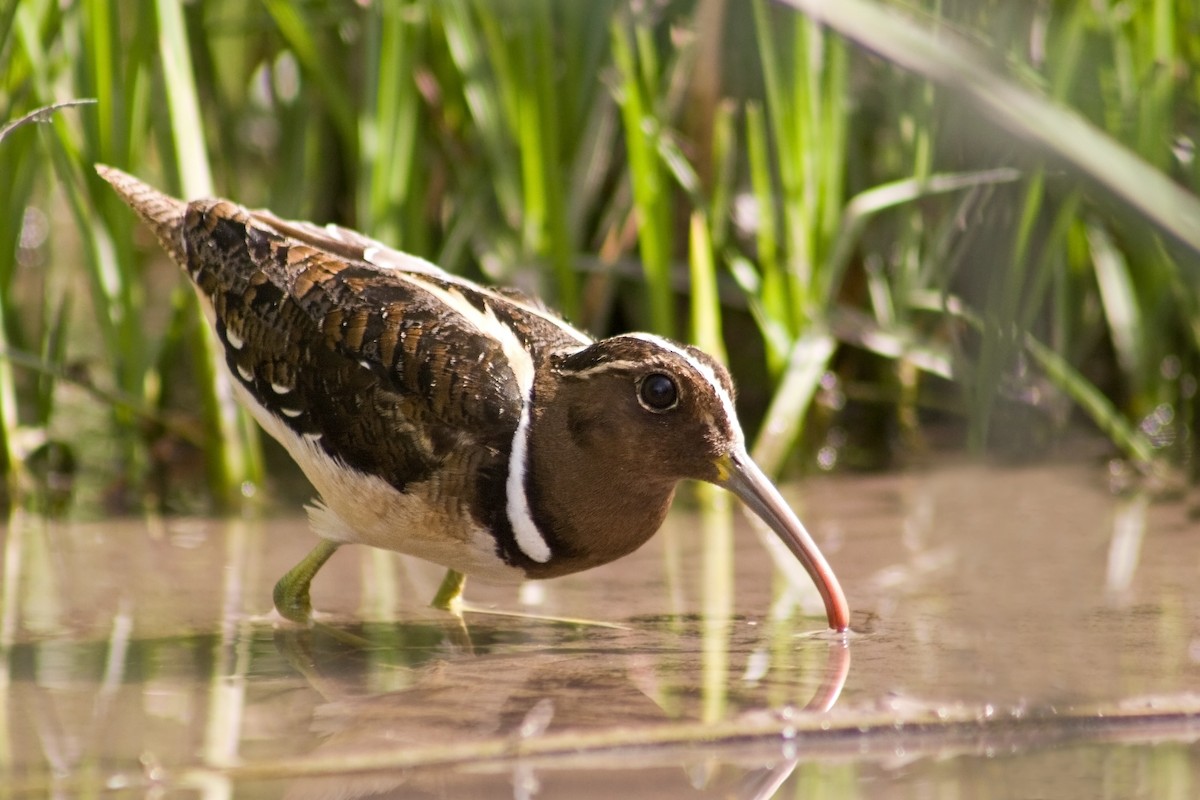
<point x="898" y="260"/>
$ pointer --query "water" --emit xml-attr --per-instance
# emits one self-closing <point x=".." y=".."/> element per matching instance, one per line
<point x="1017" y="633"/>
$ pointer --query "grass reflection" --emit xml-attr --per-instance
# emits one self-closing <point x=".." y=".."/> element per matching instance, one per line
<point x="716" y="522"/>
<point x="168" y="679"/>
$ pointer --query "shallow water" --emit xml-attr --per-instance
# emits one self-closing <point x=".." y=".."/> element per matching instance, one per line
<point x="1017" y="633"/>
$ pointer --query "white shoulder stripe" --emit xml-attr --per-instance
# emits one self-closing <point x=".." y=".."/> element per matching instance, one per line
<point x="529" y="538"/>
<point x="525" y="530"/>
<point x="416" y="270"/>
<point x="705" y="372"/>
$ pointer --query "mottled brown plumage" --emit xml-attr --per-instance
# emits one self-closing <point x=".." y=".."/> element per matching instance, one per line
<point x="465" y="425"/>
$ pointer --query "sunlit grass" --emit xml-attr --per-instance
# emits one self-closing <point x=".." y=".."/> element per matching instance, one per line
<point x="894" y="258"/>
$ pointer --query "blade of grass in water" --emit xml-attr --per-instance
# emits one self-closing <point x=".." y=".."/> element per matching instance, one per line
<point x="17" y="162"/>
<point x="1119" y="297"/>
<point x="470" y="48"/>
<point x="329" y="77"/>
<point x="715" y="509"/>
<point x="512" y="67"/>
<point x="1082" y="391"/>
<point x="770" y="301"/>
<point x="235" y="457"/>
<point x="804" y="129"/>
<point x="476" y="143"/>
<point x="806" y="113"/>
<point x="388" y="159"/>
<point x="781" y="427"/>
<point x="651" y="193"/>
<point x="870" y="202"/>
<point x="182" y="102"/>
<point x="1000" y="340"/>
<point x="538" y="141"/>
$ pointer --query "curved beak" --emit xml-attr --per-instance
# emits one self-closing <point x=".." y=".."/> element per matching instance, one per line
<point x="740" y="475"/>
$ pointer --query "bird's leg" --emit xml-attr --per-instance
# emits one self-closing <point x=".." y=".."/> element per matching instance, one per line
<point x="291" y="593"/>
<point x="449" y="598"/>
<point x="449" y="594"/>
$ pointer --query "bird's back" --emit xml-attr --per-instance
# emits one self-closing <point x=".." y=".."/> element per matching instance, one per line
<point x="357" y="356"/>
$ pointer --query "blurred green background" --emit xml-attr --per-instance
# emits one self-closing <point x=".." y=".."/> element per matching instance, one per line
<point x="910" y="229"/>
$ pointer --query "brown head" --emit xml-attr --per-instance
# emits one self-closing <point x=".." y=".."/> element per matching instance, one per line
<point x="616" y="425"/>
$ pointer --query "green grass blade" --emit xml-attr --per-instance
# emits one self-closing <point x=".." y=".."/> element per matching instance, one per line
<point x="388" y="125"/>
<point x="705" y="301"/>
<point x="1083" y="392"/>
<point x="784" y="420"/>
<point x="864" y="206"/>
<point x="1024" y="113"/>
<point x="328" y="76"/>
<point x="539" y="139"/>
<point x="233" y="446"/>
<point x="651" y="198"/>
<point x="772" y="293"/>
<point x="182" y="102"/>
<point x="42" y="114"/>
<point x="1121" y="307"/>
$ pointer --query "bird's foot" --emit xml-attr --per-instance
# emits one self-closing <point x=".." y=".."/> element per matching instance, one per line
<point x="449" y="594"/>
<point x="291" y="593"/>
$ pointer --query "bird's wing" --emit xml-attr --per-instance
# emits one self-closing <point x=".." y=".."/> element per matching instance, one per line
<point x="367" y="361"/>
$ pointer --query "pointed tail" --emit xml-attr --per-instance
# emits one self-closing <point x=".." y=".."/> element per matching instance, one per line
<point x="163" y="213"/>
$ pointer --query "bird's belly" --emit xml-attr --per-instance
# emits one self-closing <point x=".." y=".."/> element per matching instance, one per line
<point x="357" y="508"/>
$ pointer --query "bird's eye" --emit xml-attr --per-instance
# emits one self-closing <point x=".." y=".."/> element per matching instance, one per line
<point x="658" y="393"/>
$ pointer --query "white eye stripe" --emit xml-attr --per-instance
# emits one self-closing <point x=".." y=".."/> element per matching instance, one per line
<point x="607" y="366"/>
<point x="705" y="372"/>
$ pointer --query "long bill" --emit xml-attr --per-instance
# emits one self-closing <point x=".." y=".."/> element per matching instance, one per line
<point x="740" y="475"/>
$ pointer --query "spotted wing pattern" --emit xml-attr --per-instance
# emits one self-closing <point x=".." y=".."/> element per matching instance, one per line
<point x="359" y="359"/>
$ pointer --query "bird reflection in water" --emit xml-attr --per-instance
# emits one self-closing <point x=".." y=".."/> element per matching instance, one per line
<point x="596" y="712"/>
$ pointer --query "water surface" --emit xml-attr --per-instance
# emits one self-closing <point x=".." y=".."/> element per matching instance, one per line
<point x="1016" y="633"/>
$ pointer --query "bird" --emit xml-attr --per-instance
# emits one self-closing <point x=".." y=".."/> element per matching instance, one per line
<point x="465" y="425"/>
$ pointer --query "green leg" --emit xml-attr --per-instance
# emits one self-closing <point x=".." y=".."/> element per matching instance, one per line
<point x="291" y="593"/>
<point x="449" y="594"/>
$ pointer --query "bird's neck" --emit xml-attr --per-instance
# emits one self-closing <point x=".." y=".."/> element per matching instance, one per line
<point x="593" y="502"/>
